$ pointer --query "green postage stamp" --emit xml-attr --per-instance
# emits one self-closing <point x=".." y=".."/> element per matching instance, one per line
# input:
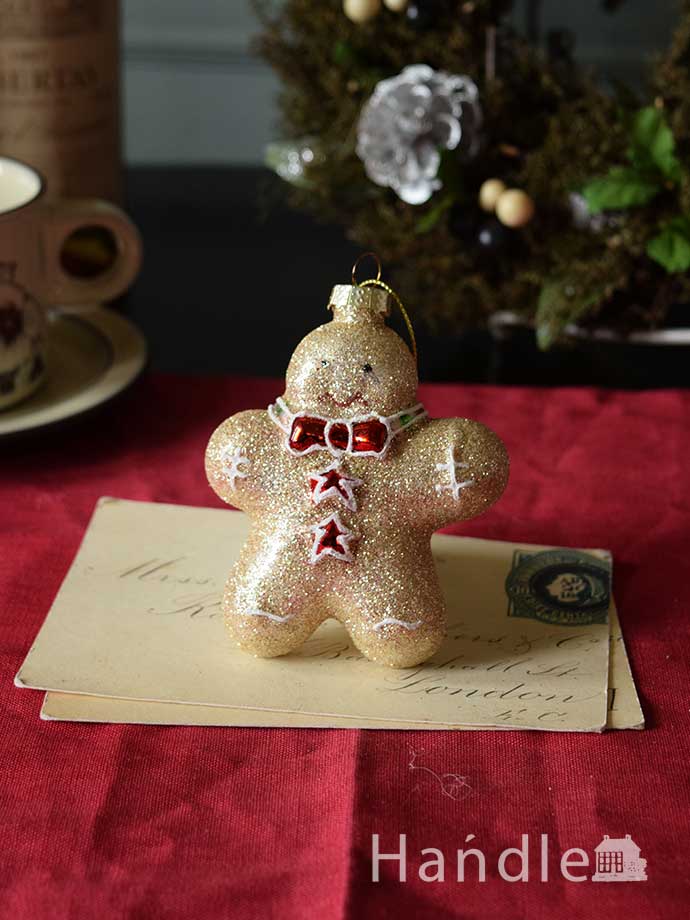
<point x="563" y="586"/>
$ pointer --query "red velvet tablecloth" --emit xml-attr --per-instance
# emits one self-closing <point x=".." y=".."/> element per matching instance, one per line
<point x="121" y="821"/>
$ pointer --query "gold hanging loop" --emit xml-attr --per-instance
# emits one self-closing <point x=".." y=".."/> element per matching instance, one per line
<point x="366" y="255"/>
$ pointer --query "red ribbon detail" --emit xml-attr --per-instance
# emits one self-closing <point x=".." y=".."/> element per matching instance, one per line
<point x="369" y="436"/>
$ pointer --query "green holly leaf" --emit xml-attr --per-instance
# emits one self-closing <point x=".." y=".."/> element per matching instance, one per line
<point x="344" y="55"/>
<point x="653" y="144"/>
<point x="433" y="215"/>
<point x="560" y="303"/>
<point x="622" y="187"/>
<point x="671" y="247"/>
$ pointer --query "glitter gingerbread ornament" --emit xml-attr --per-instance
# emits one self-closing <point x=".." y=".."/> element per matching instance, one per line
<point x="344" y="479"/>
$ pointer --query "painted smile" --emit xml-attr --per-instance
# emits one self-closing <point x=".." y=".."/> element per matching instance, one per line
<point x="345" y="404"/>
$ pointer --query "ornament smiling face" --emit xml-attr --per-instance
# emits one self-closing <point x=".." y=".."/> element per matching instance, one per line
<point x="344" y="479"/>
<point x="354" y="365"/>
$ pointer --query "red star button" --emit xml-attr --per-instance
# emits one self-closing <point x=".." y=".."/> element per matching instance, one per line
<point x="331" y="538"/>
<point x="333" y="483"/>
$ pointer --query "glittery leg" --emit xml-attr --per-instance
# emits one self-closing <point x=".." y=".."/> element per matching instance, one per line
<point x="397" y="626"/>
<point x="268" y="609"/>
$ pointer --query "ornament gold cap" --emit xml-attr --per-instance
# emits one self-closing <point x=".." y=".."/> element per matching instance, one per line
<point x="353" y="304"/>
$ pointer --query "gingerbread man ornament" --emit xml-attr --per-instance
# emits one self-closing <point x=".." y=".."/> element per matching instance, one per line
<point x="344" y="479"/>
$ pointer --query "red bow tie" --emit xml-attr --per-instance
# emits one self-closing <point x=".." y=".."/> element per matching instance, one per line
<point x="307" y="433"/>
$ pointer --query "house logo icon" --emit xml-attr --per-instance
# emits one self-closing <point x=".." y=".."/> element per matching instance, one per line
<point x="618" y="860"/>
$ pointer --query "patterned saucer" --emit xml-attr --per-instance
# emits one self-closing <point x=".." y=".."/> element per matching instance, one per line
<point x="90" y="358"/>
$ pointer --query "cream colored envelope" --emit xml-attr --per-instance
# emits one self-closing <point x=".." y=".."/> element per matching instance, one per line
<point x="624" y="707"/>
<point x="138" y="618"/>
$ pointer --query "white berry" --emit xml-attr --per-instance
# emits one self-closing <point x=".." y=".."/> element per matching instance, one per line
<point x="489" y="194"/>
<point x="515" y="208"/>
<point x="361" y="11"/>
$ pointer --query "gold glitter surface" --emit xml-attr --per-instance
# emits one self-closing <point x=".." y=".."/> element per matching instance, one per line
<point x="352" y="304"/>
<point x="433" y="473"/>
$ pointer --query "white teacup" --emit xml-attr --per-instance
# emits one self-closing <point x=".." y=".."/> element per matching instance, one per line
<point x="33" y="231"/>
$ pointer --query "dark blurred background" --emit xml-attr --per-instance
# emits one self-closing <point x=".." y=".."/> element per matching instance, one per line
<point x="232" y="279"/>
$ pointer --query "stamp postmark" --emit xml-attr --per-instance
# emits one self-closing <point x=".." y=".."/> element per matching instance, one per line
<point x="567" y="587"/>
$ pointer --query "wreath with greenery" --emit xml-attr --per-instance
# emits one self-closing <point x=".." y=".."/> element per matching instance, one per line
<point x="607" y="171"/>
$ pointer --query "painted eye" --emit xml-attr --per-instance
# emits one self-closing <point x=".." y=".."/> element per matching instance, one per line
<point x="367" y="368"/>
<point x="324" y="363"/>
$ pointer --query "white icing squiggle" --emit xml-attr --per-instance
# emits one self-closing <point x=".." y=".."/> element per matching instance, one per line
<point x="235" y="464"/>
<point x="393" y="621"/>
<point x="455" y="485"/>
<point x="269" y="616"/>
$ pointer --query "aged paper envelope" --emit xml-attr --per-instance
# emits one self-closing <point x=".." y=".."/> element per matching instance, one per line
<point x="138" y="618"/>
<point x="624" y="707"/>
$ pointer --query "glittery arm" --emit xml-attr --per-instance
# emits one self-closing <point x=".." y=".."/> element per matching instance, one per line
<point x="235" y="455"/>
<point x="466" y="469"/>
